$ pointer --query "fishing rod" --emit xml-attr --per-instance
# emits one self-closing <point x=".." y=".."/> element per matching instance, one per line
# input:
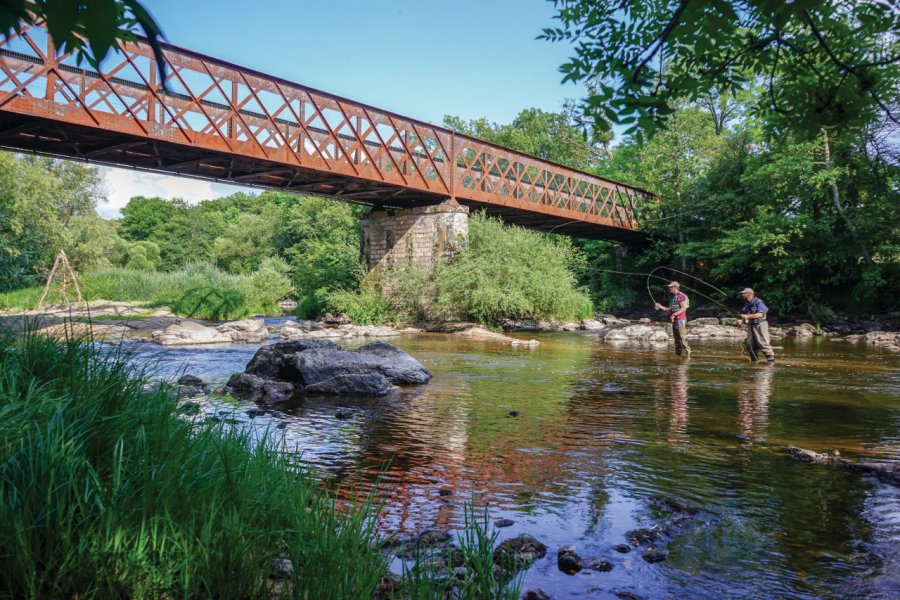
<point x="652" y="275"/>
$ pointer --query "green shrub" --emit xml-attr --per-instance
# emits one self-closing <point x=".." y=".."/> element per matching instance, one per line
<point x="506" y="272"/>
<point x="310" y="306"/>
<point x="365" y="307"/>
<point x="213" y="301"/>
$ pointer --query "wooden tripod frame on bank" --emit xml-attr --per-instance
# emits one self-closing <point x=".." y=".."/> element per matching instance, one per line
<point x="61" y="268"/>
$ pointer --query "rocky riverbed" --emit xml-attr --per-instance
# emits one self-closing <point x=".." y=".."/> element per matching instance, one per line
<point x="123" y="320"/>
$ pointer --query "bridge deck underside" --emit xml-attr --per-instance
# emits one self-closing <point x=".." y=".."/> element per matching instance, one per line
<point x="54" y="138"/>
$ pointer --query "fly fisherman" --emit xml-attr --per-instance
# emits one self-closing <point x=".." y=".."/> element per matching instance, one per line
<point x="678" y="305"/>
<point x="754" y="316"/>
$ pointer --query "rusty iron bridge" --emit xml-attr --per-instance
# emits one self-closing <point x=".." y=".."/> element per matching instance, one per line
<point x="214" y="120"/>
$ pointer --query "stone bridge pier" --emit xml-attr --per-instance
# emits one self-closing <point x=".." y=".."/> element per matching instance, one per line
<point x="419" y="237"/>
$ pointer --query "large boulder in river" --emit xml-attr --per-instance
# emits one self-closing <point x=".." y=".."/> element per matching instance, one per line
<point x="357" y="384"/>
<point x="273" y="361"/>
<point x="319" y="364"/>
<point x="323" y="367"/>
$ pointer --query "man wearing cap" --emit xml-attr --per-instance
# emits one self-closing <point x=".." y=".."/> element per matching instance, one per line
<point x="678" y="305"/>
<point x="754" y="316"/>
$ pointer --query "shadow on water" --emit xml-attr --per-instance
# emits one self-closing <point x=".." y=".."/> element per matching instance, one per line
<point x="573" y="440"/>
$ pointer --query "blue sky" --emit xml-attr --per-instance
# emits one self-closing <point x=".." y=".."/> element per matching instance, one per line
<point x="422" y="59"/>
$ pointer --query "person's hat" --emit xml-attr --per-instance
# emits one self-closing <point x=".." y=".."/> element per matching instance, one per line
<point x="746" y="291"/>
<point x="673" y="284"/>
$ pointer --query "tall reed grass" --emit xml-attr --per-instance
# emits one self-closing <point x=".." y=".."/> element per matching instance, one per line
<point x="106" y="493"/>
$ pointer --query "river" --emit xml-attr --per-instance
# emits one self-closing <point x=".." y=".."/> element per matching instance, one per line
<point x="574" y="439"/>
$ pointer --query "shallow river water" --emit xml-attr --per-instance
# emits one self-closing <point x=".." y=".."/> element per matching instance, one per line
<point x="600" y="431"/>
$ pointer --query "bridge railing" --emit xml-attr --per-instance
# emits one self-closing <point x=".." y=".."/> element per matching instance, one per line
<point x="212" y="105"/>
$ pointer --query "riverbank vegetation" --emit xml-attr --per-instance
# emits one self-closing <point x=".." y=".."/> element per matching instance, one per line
<point x="506" y="272"/>
<point x="197" y="290"/>
<point x="107" y="492"/>
<point x="240" y="255"/>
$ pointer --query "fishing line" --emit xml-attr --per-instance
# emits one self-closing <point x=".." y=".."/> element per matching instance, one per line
<point x="742" y="344"/>
<point x="652" y="275"/>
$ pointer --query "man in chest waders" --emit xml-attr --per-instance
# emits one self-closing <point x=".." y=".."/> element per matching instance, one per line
<point x="678" y="305"/>
<point x="754" y="316"/>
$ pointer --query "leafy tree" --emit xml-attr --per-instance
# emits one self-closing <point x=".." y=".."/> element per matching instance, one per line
<point x="90" y="241"/>
<point x="821" y="62"/>
<point x="45" y="205"/>
<point x="80" y="186"/>
<point x="143" y="256"/>
<point x="319" y="238"/>
<point x="89" y="28"/>
<point x="143" y="217"/>
<point x="244" y="245"/>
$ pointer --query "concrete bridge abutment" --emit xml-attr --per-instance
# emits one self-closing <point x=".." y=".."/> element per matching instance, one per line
<point x="413" y="237"/>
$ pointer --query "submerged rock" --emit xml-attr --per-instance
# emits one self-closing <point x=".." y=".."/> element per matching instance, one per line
<point x="568" y="560"/>
<point x="814" y="457"/>
<point x="654" y="555"/>
<point x="535" y="594"/>
<point x="245" y="382"/>
<point x="639" y="537"/>
<point x="887" y="472"/>
<point x="191" y="385"/>
<point x="278" y="390"/>
<point x="599" y="565"/>
<point x="433" y="537"/>
<point x="519" y="552"/>
<point x="478" y="333"/>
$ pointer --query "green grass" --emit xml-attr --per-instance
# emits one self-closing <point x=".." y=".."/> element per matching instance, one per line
<point x="197" y="290"/>
<point x="106" y="492"/>
<point x="424" y="580"/>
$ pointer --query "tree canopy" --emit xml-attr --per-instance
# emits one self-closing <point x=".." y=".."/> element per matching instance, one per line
<point x="821" y="63"/>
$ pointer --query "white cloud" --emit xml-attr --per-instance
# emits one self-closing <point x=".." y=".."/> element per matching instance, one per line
<point x="122" y="184"/>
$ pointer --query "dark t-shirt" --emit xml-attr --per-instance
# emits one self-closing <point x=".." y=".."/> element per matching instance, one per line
<point x="755" y="305"/>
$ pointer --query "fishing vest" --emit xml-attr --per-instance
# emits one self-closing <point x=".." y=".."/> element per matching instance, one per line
<point x="675" y="300"/>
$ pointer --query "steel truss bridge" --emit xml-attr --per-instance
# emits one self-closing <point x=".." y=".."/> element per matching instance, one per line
<point x="215" y="120"/>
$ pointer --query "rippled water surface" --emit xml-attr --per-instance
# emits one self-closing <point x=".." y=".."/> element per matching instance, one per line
<point x="601" y="431"/>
